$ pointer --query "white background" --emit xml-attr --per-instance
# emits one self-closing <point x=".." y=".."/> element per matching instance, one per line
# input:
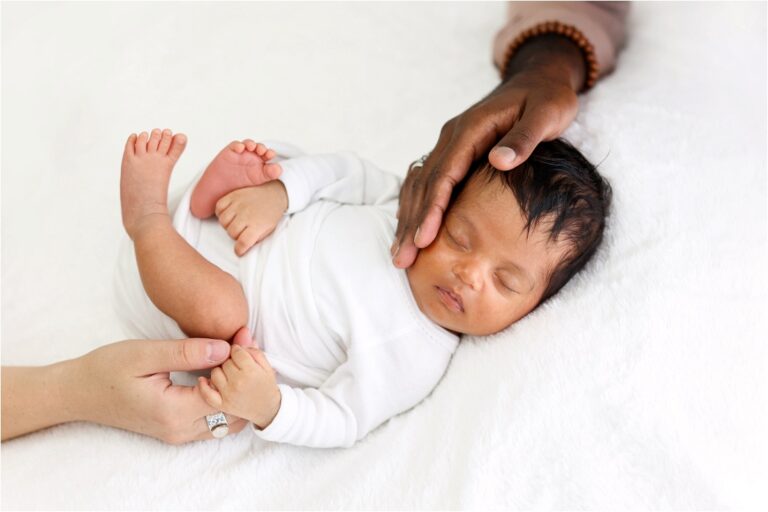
<point x="641" y="385"/>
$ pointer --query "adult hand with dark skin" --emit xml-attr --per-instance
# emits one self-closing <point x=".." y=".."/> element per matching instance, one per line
<point x="536" y="101"/>
<point x="125" y="385"/>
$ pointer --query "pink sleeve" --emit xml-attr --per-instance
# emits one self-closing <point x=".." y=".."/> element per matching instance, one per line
<point x="603" y="24"/>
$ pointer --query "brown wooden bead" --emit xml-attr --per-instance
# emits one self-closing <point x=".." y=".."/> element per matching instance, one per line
<point x="556" y="27"/>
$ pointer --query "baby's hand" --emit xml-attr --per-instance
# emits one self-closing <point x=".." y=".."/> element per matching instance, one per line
<point x="245" y="387"/>
<point x="251" y="214"/>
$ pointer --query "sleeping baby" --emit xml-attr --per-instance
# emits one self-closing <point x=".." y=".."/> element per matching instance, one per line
<point x="296" y="248"/>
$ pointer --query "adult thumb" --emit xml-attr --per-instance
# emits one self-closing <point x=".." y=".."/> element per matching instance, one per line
<point x="518" y="144"/>
<point x="178" y="355"/>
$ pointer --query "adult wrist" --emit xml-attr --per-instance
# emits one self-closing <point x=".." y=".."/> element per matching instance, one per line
<point x="68" y="394"/>
<point x="551" y="55"/>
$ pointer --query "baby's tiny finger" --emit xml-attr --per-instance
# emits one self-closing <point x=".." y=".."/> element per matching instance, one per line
<point x="247" y="239"/>
<point x="236" y="227"/>
<point x="260" y="358"/>
<point x="222" y="204"/>
<point x="218" y="378"/>
<point x="211" y="396"/>
<point x="241" y="358"/>
<point x="229" y="367"/>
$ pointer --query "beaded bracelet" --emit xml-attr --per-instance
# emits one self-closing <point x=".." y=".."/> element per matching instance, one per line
<point x="556" y="27"/>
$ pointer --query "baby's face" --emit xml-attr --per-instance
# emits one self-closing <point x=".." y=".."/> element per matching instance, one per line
<point x="482" y="272"/>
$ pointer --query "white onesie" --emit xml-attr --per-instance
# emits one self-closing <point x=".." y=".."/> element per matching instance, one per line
<point x="334" y="317"/>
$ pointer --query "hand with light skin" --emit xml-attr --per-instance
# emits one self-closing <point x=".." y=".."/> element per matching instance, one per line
<point x="124" y="385"/>
<point x="244" y="386"/>
<point x="536" y="101"/>
<point x="251" y="214"/>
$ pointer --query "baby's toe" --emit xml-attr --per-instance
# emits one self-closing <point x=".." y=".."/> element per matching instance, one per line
<point x="178" y="143"/>
<point x="141" y="143"/>
<point x="250" y="145"/>
<point x="273" y="171"/>
<point x="165" y="142"/>
<point x="270" y="154"/>
<point x="154" y="140"/>
<point x="130" y="145"/>
<point x="261" y="149"/>
<point x="237" y="146"/>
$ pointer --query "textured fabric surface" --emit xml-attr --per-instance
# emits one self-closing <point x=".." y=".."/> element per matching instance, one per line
<point x="641" y="385"/>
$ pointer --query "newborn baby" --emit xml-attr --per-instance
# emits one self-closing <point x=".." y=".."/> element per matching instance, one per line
<point x="303" y="261"/>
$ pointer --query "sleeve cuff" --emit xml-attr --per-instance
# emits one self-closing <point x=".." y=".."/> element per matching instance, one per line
<point x="285" y="418"/>
<point x="296" y="187"/>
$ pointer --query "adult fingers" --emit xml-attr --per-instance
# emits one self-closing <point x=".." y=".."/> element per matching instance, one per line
<point x="474" y="133"/>
<point x="444" y="173"/>
<point x="186" y="403"/>
<point x="517" y="145"/>
<point x="542" y="119"/>
<point x="412" y="197"/>
<point x="153" y="356"/>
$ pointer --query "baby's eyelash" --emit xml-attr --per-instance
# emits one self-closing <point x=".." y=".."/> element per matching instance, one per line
<point x="454" y="240"/>
<point x="505" y="284"/>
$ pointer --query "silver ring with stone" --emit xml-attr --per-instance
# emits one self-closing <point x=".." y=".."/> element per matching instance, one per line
<point x="217" y="424"/>
<point x="418" y="163"/>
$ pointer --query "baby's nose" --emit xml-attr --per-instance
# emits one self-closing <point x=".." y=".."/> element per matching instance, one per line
<point x="469" y="272"/>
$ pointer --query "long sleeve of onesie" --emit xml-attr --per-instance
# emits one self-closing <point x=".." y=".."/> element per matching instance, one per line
<point x="341" y="177"/>
<point x="368" y="389"/>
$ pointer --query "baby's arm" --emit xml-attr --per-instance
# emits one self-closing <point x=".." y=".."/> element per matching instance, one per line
<point x="251" y="214"/>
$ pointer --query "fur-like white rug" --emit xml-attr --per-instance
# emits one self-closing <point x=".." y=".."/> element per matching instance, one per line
<point x="642" y="385"/>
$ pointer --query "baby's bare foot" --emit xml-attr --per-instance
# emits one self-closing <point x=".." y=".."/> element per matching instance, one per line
<point x="146" y="170"/>
<point x="240" y="164"/>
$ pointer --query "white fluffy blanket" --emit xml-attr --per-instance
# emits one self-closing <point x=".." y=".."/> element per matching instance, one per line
<point x="642" y="385"/>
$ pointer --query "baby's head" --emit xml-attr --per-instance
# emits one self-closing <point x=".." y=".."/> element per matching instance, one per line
<point x="511" y="239"/>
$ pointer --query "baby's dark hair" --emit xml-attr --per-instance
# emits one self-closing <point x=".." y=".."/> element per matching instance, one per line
<point x="558" y="185"/>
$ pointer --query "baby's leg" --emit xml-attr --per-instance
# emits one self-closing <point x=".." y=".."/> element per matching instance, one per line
<point x="239" y="165"/>
<point x="204" y="300"/>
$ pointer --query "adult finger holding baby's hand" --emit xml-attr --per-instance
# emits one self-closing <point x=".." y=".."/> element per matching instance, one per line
<point x="245" y="385"/>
